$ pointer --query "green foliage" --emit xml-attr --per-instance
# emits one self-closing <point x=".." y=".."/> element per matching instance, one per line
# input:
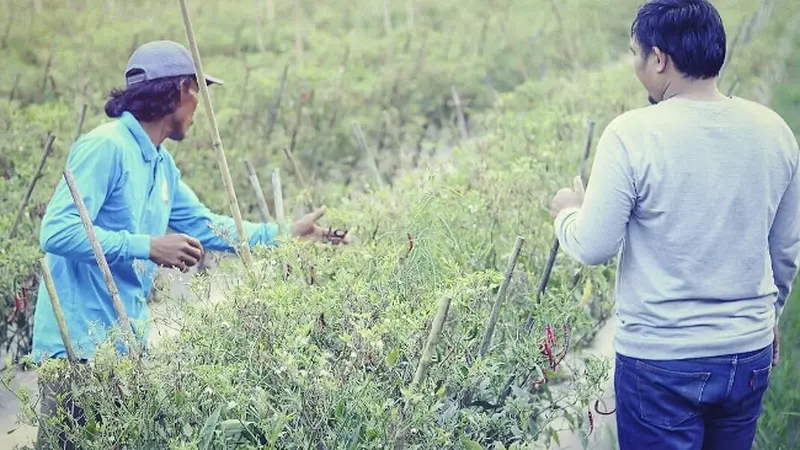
<point x="779" y="426"/>
<point x="320" y="344"/>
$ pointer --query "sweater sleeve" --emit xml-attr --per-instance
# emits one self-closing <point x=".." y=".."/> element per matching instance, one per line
<point x="784" y="240"/>
<point x="95" y="167"/>
<point x="593" y="233"/>
<point x="214" y="231"/>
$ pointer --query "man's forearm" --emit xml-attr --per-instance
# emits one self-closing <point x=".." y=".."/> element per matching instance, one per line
<point x="66" y="236"/>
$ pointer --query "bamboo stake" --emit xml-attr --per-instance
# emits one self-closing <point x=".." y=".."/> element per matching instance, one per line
<point x="501" y="294"/>
<point x="551" y="259"/>
<point x="462" y="123"/>
<point x="425" y="361"/>
<point x="387" y="18"/>
<point x="244" y="247"/>
<point x="262" y="202"/>
<point x="100" y="257"/>
<point x="298" y="38"/>
<point x="273" y="110"/>
<point x="259" y="39"/>
<point x="14" y="88"/>
<point x="430" y="344"/>
<point x="4" y="40"/>
<point x="81" y="121"/>
<point x="363" y="144"/>
<point x="277" y="195"/>
<point x="46" y="73"/>
<point x="290" y="157"/>
<point x="59" y="313"/>
<point x="48" y="146"/>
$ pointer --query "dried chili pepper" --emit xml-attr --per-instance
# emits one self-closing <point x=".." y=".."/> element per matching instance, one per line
<point x="591" y="422"/>
<point x="410" y="243"/>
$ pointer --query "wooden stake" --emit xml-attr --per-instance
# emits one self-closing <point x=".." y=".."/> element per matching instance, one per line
<point x="363" y="144"/>
<point x="273" y="110"/>
<point x="100" y="258"/>
<point x="430" y="344"/>
<point x="501" y="294"/>
<point x="277" y="194"/>
<point x="462" y="123"/>
<point x="14" y="87"/>
<point x="424" y="362"/>
<point x="80" y="122"/>
<point x="256" y="184"/>
<point x="59" y="313"/>
<point x="244" y="247"/>
<point x="387" y="18"/>
<point x="298" y="37"/>
<point x="48" y="146"/>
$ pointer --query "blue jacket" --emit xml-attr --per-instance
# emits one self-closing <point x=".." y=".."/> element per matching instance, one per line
<point x="132" y="191"/>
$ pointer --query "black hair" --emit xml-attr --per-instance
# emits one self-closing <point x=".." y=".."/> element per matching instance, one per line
<point x="691" y="32"/>
<point x="147" y="100"/>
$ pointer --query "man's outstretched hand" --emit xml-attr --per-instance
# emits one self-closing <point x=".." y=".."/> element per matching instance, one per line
<point x="177" y="251"/>
<point x="307" y="229"/>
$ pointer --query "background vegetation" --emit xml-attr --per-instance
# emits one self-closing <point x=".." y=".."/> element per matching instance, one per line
<point x="327" y="352"/>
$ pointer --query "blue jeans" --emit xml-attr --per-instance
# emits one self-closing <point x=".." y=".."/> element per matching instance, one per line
<point x="691" y="404"/>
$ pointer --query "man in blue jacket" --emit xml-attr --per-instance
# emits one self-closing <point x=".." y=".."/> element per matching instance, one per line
<point x="699" y="195"/>
<point x="133" y="193"/>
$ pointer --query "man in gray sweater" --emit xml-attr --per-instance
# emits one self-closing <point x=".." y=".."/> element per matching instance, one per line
<point x="699" y="196"/>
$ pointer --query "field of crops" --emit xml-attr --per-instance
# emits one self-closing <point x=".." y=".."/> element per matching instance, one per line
<point x="473" y="114"/>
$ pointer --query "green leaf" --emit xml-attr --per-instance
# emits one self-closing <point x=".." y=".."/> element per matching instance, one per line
<point x="207" y="432"/>
<point x="391" y="358"/>
<point x="469" y="444"/>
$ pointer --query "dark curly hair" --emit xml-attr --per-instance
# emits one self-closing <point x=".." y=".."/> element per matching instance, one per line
<point x="148" y="100"/>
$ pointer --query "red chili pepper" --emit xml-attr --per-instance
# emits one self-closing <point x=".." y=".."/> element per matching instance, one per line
<point x="550" y="335"/>
<point x="591" y="422"/>
<point x="19" y="299"/>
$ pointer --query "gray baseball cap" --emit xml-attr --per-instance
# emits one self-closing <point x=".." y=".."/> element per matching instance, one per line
<point x="161" y="59"/>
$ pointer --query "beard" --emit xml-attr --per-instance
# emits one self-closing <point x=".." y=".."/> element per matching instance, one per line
<point x="176" y="136"/>
<point x="178" y="133"/>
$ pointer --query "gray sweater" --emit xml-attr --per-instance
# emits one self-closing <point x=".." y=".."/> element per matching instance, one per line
<point x="700" y="201"/>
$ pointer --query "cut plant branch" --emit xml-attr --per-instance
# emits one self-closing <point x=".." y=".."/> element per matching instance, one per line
<point x="244" y="247"/>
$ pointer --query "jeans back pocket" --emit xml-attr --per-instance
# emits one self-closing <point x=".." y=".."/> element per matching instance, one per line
<point x="668" y="398"/>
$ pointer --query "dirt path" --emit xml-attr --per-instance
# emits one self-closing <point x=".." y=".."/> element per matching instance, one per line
<point x="604" y="436"/>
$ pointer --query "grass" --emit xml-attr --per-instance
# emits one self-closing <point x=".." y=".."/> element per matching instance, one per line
<point x="779" y="426"/>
